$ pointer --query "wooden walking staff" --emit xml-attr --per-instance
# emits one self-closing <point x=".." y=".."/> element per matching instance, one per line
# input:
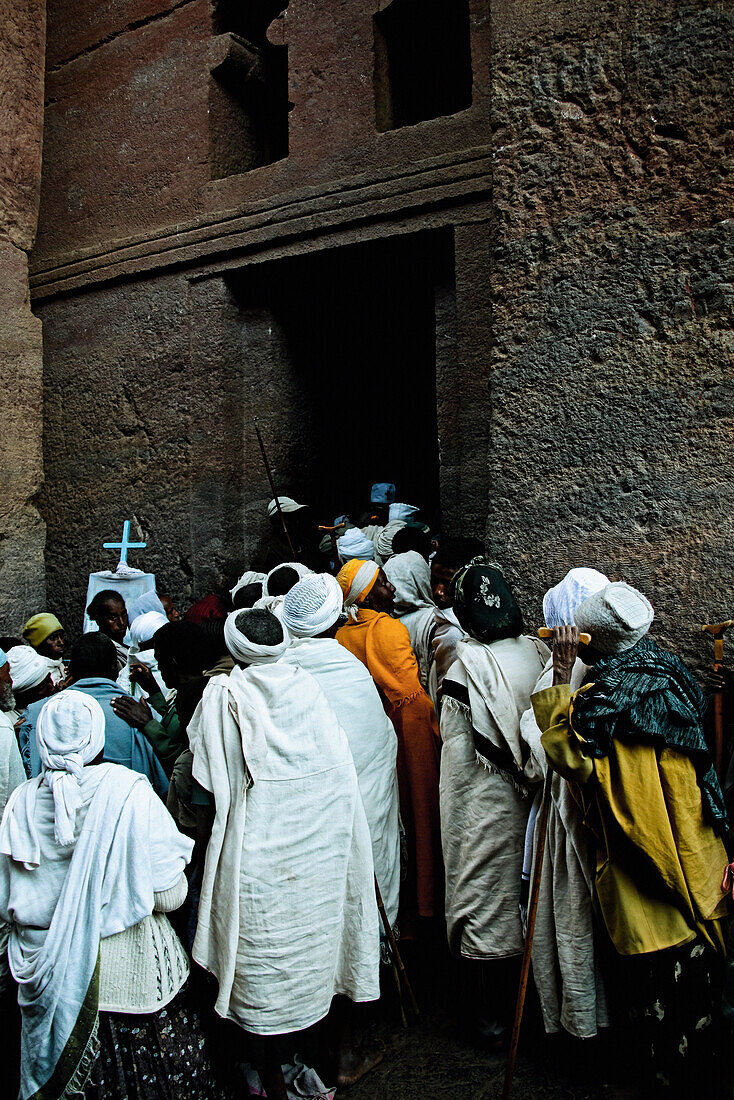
<point x="528" y="948"/>
<point x="331" y="531"/>
<point x="716" y="630"/>
<point x="272" y="486"/>
<point x="396" y="957"/>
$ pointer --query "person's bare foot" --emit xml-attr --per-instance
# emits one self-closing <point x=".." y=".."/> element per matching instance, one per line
<point x="354" y="1064"/>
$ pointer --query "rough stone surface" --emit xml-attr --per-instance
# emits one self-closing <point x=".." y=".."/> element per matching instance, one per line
<point x="22" y="586"/>
<point x="583" y="339"/>
<point x="612" y="266"/>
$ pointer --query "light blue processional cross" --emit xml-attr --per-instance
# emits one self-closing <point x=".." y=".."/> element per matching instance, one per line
<point x="125" y="544"/>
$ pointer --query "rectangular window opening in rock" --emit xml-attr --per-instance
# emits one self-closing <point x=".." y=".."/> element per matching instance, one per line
<point x="337" y="355"/>
<point x="422" y="61"/>
<point x="248" y="90"/>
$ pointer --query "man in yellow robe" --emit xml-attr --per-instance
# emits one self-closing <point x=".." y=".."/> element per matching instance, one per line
<point x="631" y="743"/>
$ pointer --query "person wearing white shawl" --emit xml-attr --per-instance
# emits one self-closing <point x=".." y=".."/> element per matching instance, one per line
<point x="410" y="576"/>
<point x="141" y="630"/>
<point x="287" y="917"/>
<point x="355" y="544"/>
<point x="383" y="541"/>
<point x="12" y="774"/>
<point x="277" y="582"/>
<point x="46" y="634"/>
<point x="310" y="611"/>
<point x="86" y="852"/>
<point x="403" y="511"/>
<point x="484" y="791"/>
<point x="31" y="677"/>
<point x="250" y="576"/>
<point x="565" y="965"/>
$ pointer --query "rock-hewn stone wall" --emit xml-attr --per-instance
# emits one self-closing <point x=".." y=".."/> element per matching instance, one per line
<point x="22" y="584"/>
<point x="612" y="379"/>
<point x="584" y="360"/>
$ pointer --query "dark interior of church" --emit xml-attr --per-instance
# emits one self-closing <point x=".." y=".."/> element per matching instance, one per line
<point x="358" y="337"/>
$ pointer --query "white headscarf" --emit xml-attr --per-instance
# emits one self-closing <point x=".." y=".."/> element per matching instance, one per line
<point x="383" y="542"/>
<point x="70" y="733"/>
<point x="410" y="574"/>
<point x="145" y="626"/>
<point x="312" y="606"/>
<point x="403" y="511"/>
<point x="302" y="570"/>
<point x="248" y="577"/>
<point x="560" y="603"/>
<point x="247" y="652"/>
<point x="149" y="601"/>
<point x="28" y="669"/>
<point x="616" y="617"/>
<point x="355" y="544"/>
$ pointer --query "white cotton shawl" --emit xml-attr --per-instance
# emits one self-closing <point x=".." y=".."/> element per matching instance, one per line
<point x="287" y="917"/>
<point x="353" y="697"/>
<point x="383" y="541"/>
<point x="500" y="679"/>
<point x="447" y="632"/>
<point x="410" y="575"/>
<point x="483" y="815"/>
<point x="566" y="968"/>
<point x="141" y="605"/>
<point x="69" y="734"/>
<point x="126" y="848"/>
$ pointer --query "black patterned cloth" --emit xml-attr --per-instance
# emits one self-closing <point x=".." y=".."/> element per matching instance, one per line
<point x="673" y="1020"/>
<point x="484" y="604"/>
<point x="646" y="694"/>
<point x="154" y="1056"/>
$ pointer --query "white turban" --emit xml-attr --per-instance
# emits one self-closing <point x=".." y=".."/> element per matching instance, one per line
<point x="247" y="652"/>
<point x="28" y="669"/>
<point x="355" y="544"/>
<point x="560" y="603"/>
<point x="302" y="570"/>
<point x="383" y="542"/>
<point x="70" y="733"/>
<point x="287" y="504"/>
<point x="403" y="511"/>
<point x="248" y="577"/>
<point x="616" y="617"/>
<point x="312" y="605"/>
<point x="144" y="627"/>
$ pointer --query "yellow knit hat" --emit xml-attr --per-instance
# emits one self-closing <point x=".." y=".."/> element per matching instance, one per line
<point x="39" y="627"/>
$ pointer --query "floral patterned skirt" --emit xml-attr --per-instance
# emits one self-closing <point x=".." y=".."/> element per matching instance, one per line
<point x="157" y="1056"/>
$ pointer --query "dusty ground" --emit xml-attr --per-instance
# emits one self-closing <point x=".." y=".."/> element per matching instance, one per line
<point x="430" y="1060"/>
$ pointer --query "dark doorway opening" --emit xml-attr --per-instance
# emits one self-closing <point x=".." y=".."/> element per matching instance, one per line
<point x="340" y="358"/>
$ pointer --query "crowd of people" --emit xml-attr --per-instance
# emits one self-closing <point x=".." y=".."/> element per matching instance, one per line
<point x="214" y="824"/>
